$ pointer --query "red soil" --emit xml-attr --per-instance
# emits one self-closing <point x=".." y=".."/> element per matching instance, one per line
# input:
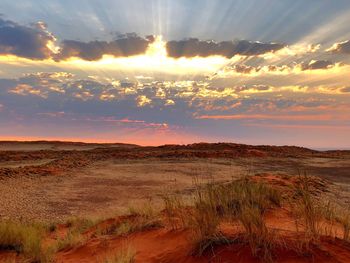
<point x="174" y="246"/>
<point x="170" y="246"/>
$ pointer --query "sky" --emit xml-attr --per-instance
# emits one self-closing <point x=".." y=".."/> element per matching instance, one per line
<point x="155" y="72"/>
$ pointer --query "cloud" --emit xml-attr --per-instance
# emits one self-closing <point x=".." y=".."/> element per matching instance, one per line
<point x="36" y="42"/>
<point x="125" y="107"/>
<point x="126" y="45"/>
<point x="52" y="114"/>
<point x="244" y="69"/>
<point x="291" y="68"/>
<point x="41" y="84"/>
<point x="253" y="70"/>
<point x="30" y="42"/>
<point x="253" y="89"/>
<point x="167" y="103"/>
<point x="24" y="90"/>
<point x="165" y="95"/>
<point x="300" y="126"/>
<point x="341" y="47"/>
<point x="345" y="90"/>
<point x="317" y="64"/>
<point x="268" y="117"/>
<point x="143" y="101"/>
<point x="194" y="47"/>
<point x="127" y="122"/>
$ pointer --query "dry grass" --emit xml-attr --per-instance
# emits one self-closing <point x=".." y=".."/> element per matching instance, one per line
<point x="25" y="239"/>
<point x="204" y="222"/>
<point x="241" y="200"/>
<point x="143" y="217"/>
<point x="144" y="210"/>
<point x="338" y="214"/>
<point x="137" y="225"/>
<point x="81" y="225"/>
<point x="174" y="209"/>
<point x="316" y="216"/>
<point x="261" y="240"/>
<point x="345" y="221"/>
<point x="308" y="209"/>
<point x="77" y="227"/>
<point x="139" y="219"/>
<point x="72" y="239"/>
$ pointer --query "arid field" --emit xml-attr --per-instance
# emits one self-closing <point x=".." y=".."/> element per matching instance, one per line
<point x="156" y="193"/>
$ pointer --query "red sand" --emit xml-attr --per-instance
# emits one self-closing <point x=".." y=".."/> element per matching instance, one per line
<point x="169" y="247"/>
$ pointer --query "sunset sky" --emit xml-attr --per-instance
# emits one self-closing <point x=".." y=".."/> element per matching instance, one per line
<point x="155" y="72"/>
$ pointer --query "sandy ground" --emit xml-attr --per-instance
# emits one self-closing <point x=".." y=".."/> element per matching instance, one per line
<point x="53" y="146"/>
<point x="111" y="186"/>
<point x="106" y="187"/>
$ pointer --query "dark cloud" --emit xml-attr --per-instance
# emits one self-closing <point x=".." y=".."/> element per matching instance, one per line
<point x="32" y="42"/>
<point x="317" y="64"/>
<point x="342" y="47"/>
<point x="244" y="69"/>
<point x="253" y="87"/>
<point x="194" y="47"/>
<point x="312" y="65"/>
<point x="345" y="90"/>
<point x="24" y="41"/>
<point x="126" y="45"/>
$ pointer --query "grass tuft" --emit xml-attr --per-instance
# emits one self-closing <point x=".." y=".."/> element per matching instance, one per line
<point x="261" y="240"/>
<point x="242" y="200"/>
<point x="25" y="239"/>
<point x="311" y="212"/>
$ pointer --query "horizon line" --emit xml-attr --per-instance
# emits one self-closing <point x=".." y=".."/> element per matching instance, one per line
<point x="166" y="144"/>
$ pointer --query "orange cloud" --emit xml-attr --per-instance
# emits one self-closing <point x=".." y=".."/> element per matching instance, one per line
<point x="300" y="126"/>
<point x="24" y="90"/>
<point x="315" y="117"/>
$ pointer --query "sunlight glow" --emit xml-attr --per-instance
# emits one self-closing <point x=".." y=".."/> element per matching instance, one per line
<point x="155" y="60"/>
